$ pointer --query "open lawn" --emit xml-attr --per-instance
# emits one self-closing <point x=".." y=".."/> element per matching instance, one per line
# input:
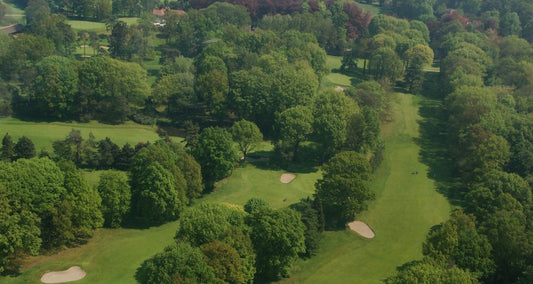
<point x="111" y="256"/>
<point x="44" y="133"/>
<point x="373" y="9"/>
<point x="87" y="26"/>
<point x="334" y="78"/>
<point x="406" y="207"/>
<point x="13" y="15"/>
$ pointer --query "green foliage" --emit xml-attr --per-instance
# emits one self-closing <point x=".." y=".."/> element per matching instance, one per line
<point x="224" y="260"/>
<point x="294" y="126"/>
<point x="24" y="149"/>
<point x="332" y="111"/>
<point x="157" y="195"/>
<point x="428" y="272"/>
<point x="115" y="192"/>
<point x="209" y="222"/>
<point x="247" y="135"/>
<point x="311" y="219"/>
<point x="344" y="188"/>
<point x="281" y="229"/>
<point x="8" y="148"/>
<point x="216" y="154"/>
<point x="458" y="242"/>
<point x="254" y="204"/>
<point x="178" y="263"/>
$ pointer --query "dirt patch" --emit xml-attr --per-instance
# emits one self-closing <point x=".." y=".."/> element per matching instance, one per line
<point x="362" y="229"/>
<point x="72" y="274"/>
<point x="286" y="178"/>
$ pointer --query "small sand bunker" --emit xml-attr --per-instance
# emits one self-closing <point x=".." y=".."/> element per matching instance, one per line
<point x="72" y="274"/>
<point x="339" y="89"/>
<point x="362" y="229"/>
<point x="286" y="178"/>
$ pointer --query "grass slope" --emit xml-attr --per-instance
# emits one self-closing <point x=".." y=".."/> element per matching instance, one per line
<point x="250" y="181"/>
<point x="405" y="209"/>
<point x="44" y="133"/>
<point x="111" y="256"/>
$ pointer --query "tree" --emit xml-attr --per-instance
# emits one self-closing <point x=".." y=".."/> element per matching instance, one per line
<point x="7" y="150"/>
<point x="458" y="242"/>
<point x="120" y="41"/>
<point x="247" y="135"/>
<point x="216" y="154"/>
<point x="108" y="153"/>
<point x="294" y="125"/>
<point x="430" y="272"/>
<point x="224" y="260"/>
<point x="278" y="238"/>
<point x="332" y="111"/>
<point x="178" y="263"/>
<point x="71" y="148"/>
<point x="24" y="149"/>
<point x="84" y="200"/>
<point x="210" y="222"/>
<point x="156" y="197"/>
<point x="55" y="88"/>
<point x="115" y="192"/>
<point x="344" y="188"/>
<point x="36" y="11"/>
<point x="310" y="218"/>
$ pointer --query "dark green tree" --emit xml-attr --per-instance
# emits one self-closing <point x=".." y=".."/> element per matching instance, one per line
<point x="115" y="192"/>
<point x="278" y="238"/>
<point x="7" y="150"/>
<point x="224" y="260"/>
<point x="216" y="154"/>
<point x="178" y="263"/>
<point x="24" y="149"/>
<point x="344" y="188"/>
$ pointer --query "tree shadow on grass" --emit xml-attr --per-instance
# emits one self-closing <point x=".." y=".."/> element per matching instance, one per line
<point x="434" y="149"/>
<point x="268" y="160"/>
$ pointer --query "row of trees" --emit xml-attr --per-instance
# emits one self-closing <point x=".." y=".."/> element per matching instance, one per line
<point x="488" y="107"/>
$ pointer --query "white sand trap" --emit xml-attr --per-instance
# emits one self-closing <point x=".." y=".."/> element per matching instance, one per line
<point x="72" y="274"/>
<point x="286" y="178"/>
<point x="362" y="229"/>
<point x="339" y="89"/>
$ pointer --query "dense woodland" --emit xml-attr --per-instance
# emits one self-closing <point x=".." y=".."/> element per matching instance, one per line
<point x="237" y="72"/>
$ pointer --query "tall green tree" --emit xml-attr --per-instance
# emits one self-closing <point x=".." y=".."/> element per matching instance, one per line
<point x="344" y="188"/>
<point x="24" y="149"/>
<point x="247" y="135"/>
<point x="115" y="192"/>
<point x="278" y="238"/>
<point x="7" y="151"/>
<point x="216" y="154"/>
<point x="178" y="263"/>
<point x="294" y="125"/>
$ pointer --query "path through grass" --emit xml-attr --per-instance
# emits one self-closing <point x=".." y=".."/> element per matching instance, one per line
<point x="406" y="207"/>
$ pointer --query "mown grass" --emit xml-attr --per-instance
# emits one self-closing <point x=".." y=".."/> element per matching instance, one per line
<point x="334" y="78"/>
<point x="406" y="207"/>
<point x="43" y="134"/>
<point x="13" y="15"/>
<point x="373" y="9"/>
<point x="91" y="26"/>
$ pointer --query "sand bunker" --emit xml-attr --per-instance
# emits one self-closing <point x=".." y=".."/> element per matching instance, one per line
<point x="362" y="229"/>
<point x="72" y="274"/>
<point x="339" y="89"/>
<point x="286" y="178"/>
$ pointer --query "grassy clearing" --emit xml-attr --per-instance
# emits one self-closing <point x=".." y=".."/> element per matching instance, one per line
<point x="111" y="256"/>
<point x="44" y="133"/>
<point x="373" y="9"/>
<point x="13" y="15"/>
<point x="405" y="209"/>
<point x="334" y="78"/>
<point x="87" y="26"/>
<point x="129" y="20"/>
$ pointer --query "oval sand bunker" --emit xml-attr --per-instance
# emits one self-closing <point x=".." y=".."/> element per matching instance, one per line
<point x="362" y="229"/>
<point x="72" y="274"/>
<point x="286" y="178"/>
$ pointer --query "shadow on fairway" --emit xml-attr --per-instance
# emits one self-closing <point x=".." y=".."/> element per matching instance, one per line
<point x="433" y="142"/>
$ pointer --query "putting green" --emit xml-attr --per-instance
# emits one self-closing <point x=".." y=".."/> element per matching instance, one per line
<point x="406" y="207"/>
